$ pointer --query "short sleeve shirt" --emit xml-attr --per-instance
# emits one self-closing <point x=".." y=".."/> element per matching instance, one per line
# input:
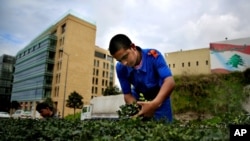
<point x="146" y="79"/>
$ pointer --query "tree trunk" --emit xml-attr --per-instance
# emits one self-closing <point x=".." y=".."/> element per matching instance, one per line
<point x="74" y="111"/>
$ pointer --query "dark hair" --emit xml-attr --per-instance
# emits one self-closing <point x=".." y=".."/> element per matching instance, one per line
<point x="118" y="42"/>
<point x="43" y="105"/>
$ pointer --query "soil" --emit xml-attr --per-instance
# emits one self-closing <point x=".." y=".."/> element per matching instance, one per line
<point x="187" y="116"/>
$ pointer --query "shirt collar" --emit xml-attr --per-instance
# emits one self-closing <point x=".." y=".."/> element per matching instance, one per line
<point x="143" y="65"/>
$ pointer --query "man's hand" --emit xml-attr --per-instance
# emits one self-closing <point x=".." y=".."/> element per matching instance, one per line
<point x="148" y="108"/>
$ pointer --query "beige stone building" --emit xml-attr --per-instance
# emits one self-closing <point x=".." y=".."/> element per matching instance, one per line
<point x="73" y="60"/>
<point x="192" y="62"/>
<point x="103" y="71"/>
<point x="61" y="60"/>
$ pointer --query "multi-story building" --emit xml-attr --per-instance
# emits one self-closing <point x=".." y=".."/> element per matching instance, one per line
<point x="60" y="61"/>
<point x="34" y="71"/>
<point x="189" y="62"/>
<point x="6" y="77"/>
<point x="103" y="71"/>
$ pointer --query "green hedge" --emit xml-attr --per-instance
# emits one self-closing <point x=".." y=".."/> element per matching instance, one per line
<point x="121" y="130"/>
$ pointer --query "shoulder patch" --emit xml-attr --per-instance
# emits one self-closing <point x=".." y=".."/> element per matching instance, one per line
<point x="153" y="53"/>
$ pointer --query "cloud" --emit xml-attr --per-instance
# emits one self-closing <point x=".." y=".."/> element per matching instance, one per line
<point x="167" y="25"/>
<point x="163" y="24"/>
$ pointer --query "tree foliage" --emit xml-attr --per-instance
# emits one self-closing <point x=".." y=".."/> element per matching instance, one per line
<point x="235" y="61"/>
<point x="74" y="101"/>
<point x="49" y="101"/>
<point x="111" y="90"/>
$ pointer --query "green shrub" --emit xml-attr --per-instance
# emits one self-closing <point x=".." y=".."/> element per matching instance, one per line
<point x="77" y="116"/>
<point x="124" y="129"/>
<point x="211" y="94"/>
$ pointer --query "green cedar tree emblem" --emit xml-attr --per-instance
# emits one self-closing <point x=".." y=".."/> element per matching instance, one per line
<point x="235" y="61"/>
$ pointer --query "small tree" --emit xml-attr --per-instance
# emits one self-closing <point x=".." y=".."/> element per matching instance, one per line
<point x="49" y="101"/>
<point x="111" y="90"/>
<point x="74" y="101"/>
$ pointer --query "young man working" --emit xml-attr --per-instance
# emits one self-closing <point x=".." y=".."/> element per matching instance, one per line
<point x="146" y="70"/>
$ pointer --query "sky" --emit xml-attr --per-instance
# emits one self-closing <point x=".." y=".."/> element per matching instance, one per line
<point x="166" y="25"/>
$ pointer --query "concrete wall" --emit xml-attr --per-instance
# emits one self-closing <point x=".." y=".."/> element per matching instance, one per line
<point x="189" y="62"/>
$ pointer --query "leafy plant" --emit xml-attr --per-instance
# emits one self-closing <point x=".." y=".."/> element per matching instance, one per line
<point x="111" y="90"/>
<point x="128" y="110"/>
<point x="124" y="129"/>
<point x="73" y="117"/>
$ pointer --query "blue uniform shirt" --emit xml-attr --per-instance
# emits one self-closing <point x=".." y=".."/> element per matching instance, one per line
<point x="147" y="79"/>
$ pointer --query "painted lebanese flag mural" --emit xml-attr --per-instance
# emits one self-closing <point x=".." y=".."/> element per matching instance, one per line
<point x="226" y="58"/>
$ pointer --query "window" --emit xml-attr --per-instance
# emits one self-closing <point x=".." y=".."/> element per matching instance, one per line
<point x="197" y="63"/>
<point x="97" y="63"/>
<point x="107" y="74"/>
<point x="92" y="89"/>
<point x="39" y="45"/>
<point x="59" y="77"/>
<point x="173" y="65"/>
<point x="100" y="55"/>
<point x="60" y="54"/>
<point x="60" y="41"/>
<point x="169" y="65"/>
<point x="206" y="62"/>
<point x="58" y="65"/>
<point x="94" y="62"/>
<point x="189" y="64"/>
<point x="97" y="72"/>
<point x="182" y="64"/>
<point x="50" y="67"/>
<point x="96" y="81"/>
<point x="51" y="55"/>
<point x="63" y="28"/>
<point x="95" y="90"/>
<point x="57" y="91"/>
<point x="110" y="58"/>
<point x="56" y="78"/>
